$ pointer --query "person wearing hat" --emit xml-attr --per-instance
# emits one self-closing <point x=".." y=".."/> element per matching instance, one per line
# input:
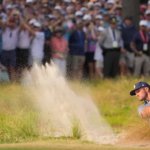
<point x="76" y="57"/>
<point x="59" y="47"/>
<point x="128" y="30"/>
<point x="38" y="40"/>
<point x="142" y="91"/>
<point x="10" y="30"/>
<point x="140" y="45"/>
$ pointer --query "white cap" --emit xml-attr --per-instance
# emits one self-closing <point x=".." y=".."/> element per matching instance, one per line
<point x="29" y="1"/>
<point x="79" y="13"/>
<point x="67" y="1"/>
<point x="69" y="7"/>
<point x="37" y="24"/>
<point x="32" y="21"/>
<point x="87" y="17"/>
<point x="58" y="7"/>
<point x="101" y="28"/>
<point x="147" y="12"/>
<point x="90" y="4"/>
<point x="143" y="23"/>
<point x="148" y="2"/>
<point x="111" y="1"/>
<point x="98" y="17"/>
<point x="83" y="9"/>
<point x="9" y="6"/>
<point x="97" y="4"/>
<point x="50" y="16"/>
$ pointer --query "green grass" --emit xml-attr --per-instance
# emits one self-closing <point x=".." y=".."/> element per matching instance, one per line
<point x="18" y="117"/>
<point x="113" y="100"/>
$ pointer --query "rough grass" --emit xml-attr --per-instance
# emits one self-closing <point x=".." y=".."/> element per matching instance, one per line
<point x="119" y="108"/>
<point x="18" y="117"/>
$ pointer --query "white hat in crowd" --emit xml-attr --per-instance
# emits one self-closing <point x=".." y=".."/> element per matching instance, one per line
<point x="87" y="17"/>
<point x="58" y="7"/>
<point x="67" y="1"/>
<point x="143" y="23"/>
<point x="50" y="16"/>
<point x="97" y="4"/>
<point x="29" y="1"/>
<point x="99" y="17"/>
<point x="31" y="22"/>
<point x="83" y="9"/>
<point x="78" y="13"/>
<point x="69" y="8"/>
<point x="110" y="1"/>
<point x="9" y="6"/>
<point x="101" y="29"/>
<point x="90" y="4"/>
<point x="147" y="12"/>
<point x="37" y="24"/>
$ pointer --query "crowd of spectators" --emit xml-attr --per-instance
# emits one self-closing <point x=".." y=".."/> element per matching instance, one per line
<point x="84" y="38"/>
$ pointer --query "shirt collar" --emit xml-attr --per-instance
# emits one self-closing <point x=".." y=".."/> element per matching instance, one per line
<point x="146" y="102"/>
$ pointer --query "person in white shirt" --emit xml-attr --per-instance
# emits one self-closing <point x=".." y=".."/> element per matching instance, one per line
<point x="112" y="44"/>
<point x="24" y="41"/>
<point x="37" y="43"/>
<point x="9" y="44"/>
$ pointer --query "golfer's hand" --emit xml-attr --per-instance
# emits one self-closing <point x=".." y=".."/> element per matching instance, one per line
<point x="145" y="113"/>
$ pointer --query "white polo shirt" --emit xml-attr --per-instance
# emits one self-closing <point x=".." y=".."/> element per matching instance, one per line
<point x="37" y="45"/>
<point x="10" y="39"/>
<point x="24" y="39"/>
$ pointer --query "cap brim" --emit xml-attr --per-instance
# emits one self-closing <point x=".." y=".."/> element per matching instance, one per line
<point x="132" y="93"/>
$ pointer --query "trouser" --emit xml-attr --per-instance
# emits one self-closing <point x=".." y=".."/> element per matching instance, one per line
<point x="75" y="66"/>
<point x="61" y="64"/>
<point x="111" y="63"/>
<point x="141" y="64"/>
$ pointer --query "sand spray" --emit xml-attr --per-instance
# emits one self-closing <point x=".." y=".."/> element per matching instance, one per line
<point x="62" y="112"/>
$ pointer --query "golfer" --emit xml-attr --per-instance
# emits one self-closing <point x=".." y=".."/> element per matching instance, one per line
<point x="142" y="91"/>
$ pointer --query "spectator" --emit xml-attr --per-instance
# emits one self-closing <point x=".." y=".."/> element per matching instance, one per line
<point x="22" y="53"/>
<point x="112" y="44"/>
<point x="147" y="17"/>
<point x="98" y="56"/>
<point x="59" y="46"/>
<point x="127" y="58"/>
<point x="47" y="48"/>
<point x="74" y="16"/>
<point x="37" y="44"/>
<point x="10" y="31"/>
<point x="77" y="52"/>
<point x="141" y="47"/>
<point x="91" y="38"/>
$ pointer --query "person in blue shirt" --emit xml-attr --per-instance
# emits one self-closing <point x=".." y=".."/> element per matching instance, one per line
<point x="142" y="91"/>
<point x="76" y="57"/>
<point x="128" y="30"/>
<point x="47" y="49"/>
<point x="140" y="45"/>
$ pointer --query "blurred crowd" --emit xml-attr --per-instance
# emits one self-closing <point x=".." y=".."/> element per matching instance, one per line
<point x="84" y="38"/>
